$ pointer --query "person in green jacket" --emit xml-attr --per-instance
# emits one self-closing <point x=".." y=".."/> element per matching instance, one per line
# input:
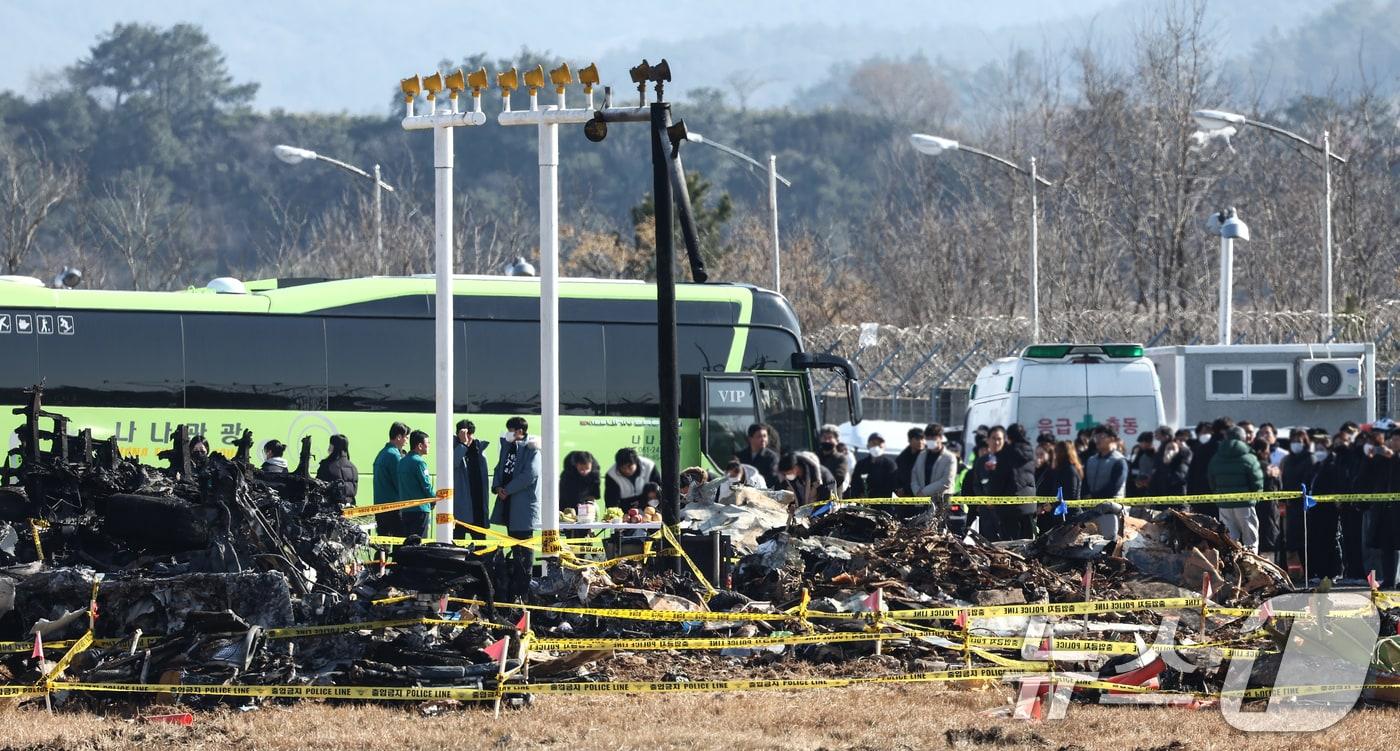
<point x="1235" y="469"/>
<point x="415" y="482"/>
<point x="386" y="479"/>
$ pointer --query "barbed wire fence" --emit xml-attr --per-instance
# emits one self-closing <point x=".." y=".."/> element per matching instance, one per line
<point x="922" y="373"/>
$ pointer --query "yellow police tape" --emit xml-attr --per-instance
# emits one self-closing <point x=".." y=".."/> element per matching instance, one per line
<point x="1160" y="500"/>
<point x="943" y="613"/>
<point x="584" y="644"/>
<point x="898" y="501"/>
<point x="79" y="646"/>
<point x="397" y="693"/>
<point x="670" y="537"/>
<point x="384" y="508"/>
<point x="750" y="684"/>
<point x="394" y="693"/>
<point x="9" y="647"/>
<point x="1172" y="500"/>
<point x="1040" y="608"/>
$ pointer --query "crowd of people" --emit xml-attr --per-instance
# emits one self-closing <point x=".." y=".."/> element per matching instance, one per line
<point x="1343" y="541"/>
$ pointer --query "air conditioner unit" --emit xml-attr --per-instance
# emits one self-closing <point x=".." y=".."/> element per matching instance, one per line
<point x="1330" y="378"/>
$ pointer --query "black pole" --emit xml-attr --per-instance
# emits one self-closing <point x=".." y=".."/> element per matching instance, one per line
<point x="669" y="383"/>
<point x="686" y="214"/>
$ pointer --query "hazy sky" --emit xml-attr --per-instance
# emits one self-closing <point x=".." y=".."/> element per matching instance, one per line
<point x="331" y="56"/>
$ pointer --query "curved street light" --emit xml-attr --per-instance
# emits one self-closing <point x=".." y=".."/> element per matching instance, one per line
<point x="935" y="145"/>
<point x="1228" y="123"/>
<point x="773" y="179"/>
<point x="297" y="155"/>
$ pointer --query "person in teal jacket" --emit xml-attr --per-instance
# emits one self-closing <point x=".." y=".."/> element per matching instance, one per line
<point x="1235" y="469"/>
<point x="415" y="482"/>
<point x="386" y="478"/>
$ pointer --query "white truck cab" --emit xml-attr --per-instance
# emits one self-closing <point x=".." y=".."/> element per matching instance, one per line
<point x="1061" y="388"/>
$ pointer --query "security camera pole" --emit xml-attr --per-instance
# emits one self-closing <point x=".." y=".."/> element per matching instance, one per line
<point x="441" y="122"/>
<point x="668" y="185"/>
<point x="1228" y="124"/>
<point x="1231" y="228"/>
<point x="547" y="119"/>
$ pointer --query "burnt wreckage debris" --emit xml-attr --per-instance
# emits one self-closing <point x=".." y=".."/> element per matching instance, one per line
<point x="211" y="572"/>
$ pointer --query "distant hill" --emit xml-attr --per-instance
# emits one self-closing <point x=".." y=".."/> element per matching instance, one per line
<point x="309" y="59"/>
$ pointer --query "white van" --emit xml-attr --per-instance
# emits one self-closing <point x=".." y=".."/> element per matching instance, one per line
<point x="1061" y="388"/>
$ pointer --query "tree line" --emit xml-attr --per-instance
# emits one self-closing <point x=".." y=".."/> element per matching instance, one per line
<point x="145" y="165"/>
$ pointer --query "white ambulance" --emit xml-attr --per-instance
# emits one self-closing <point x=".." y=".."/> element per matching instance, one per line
<point x="1061" y="388"/>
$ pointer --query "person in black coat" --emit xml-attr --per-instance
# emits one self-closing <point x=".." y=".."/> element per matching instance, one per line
<point x="1209" y="436"/>
<point x="876" y="474"/>
<point x="1297" y="470"/>
<point x="1017" y="461"/>
<point x="1335" y="474"/>
<point x="580" y="480"/>
<point x="904" y="463"/>
<point x="1171" y="469"/>
<point x="1351" y="516"/>
<point x="1270" y="521"/>
<point x="339" y="473"/>
<point x="1383" y="518"/>
<point x="759" y="455"/>
<point x="1065" y="479"/>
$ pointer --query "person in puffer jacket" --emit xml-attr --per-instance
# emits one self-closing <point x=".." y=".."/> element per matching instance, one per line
<point x="627" y="478"/>
<point x="1235" y="469"/>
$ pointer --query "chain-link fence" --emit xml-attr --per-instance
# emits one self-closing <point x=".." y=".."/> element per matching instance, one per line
<point x="921" y="373"/>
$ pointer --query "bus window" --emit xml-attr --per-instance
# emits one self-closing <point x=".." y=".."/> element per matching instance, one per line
<point x="582" y="380"/>
<point x="768" y="349"/>
<point x="19" y="363"/>
<point x="702" y="349"/>
<point x="503" y="367"/>
<point x="380" y="365"/>
<point x="783" y="399"/>
<point x="629" y="356"/>
<point x="221" y="373"/>
<point x="113" y="359"/>
<point x="730" y="408"/>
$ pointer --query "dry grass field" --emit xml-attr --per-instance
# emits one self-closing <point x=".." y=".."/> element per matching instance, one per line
<point x="880" y="717"/>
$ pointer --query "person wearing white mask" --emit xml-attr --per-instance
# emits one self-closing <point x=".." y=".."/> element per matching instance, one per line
<point x="1298" y="468"/>
<point x="876" y="475"/>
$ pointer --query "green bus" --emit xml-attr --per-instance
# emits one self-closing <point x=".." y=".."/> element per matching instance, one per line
<point x="290" y="358"/>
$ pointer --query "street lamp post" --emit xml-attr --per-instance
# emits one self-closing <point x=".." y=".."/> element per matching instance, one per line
<point x="773" y="179"/>
<point x="1229" y="123"/>
<point x="934" y="145"/>
<point x="296" y="155"/>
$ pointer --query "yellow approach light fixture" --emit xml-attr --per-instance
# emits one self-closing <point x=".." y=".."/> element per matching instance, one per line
<point x="660" y="73"/>
<point x="561" y="77"/>
<point x="588" y="77"/>
<point x="456" y="83"/>
<point x="478" y="81"/>
<point x="410" y="86"/>
<point x="508" y="81"/>
<point x="433" y="84"/>
<point x="534" y="79"/>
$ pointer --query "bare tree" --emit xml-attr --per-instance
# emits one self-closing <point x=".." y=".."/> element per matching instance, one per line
<point x="135" y="220"/>
<point x="31" y="188"/>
